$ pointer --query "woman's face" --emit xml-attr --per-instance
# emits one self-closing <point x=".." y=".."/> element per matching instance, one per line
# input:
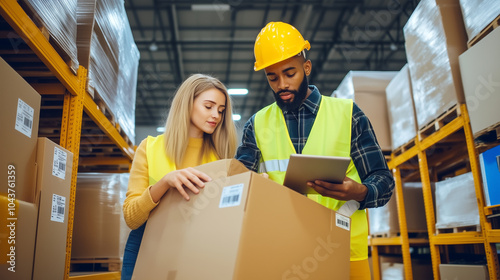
<point x="208" y="108"/>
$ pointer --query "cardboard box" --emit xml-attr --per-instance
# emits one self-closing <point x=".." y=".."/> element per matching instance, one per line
<point x="401" y="110"/>
<point x="99" y="230"/>
<point x="490" y="169"/>
<point x="392" y="268"/>
<point x="54" y="165"/>
<point x="17" y="241"/>
<point x="243" y="227"/>
<point x="434" y="38"/>
<point x="481" y="80"/>
<point x="384" y="220"/>
<point x="463" y="272"/>
<point x="367" y="89"/>
<point x="19" y="112"/>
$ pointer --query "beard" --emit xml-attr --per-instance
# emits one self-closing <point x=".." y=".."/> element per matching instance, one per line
<point x="298" y="96"/>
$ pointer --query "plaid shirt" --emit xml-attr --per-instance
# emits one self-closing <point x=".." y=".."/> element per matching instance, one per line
<point x="365" y="151"/>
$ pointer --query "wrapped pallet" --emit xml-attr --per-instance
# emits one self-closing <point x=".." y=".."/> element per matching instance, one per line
<point x="456" y="204"/>
<point x="59" y="18"/>
<point x="107" y="49"/>
<point x="401" y="109"/>
<point x="367" y="89"/>
<point x="384" y="220"/>
<point x="478" y="14"/>
<point x="99" y="229"/>
<point x="435" y="37"/>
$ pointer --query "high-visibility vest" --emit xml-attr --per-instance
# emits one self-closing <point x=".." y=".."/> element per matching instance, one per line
<point x="158" y="162"/>
<point x="329" y="136"/>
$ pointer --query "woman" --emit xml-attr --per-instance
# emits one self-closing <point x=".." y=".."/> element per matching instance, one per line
<point x="199" y="129"/>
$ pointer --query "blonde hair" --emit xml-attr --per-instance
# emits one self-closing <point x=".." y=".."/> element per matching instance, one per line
<point x="222" y="141"/>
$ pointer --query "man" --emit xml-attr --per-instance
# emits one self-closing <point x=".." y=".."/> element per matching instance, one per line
<point x="305" y="122"/>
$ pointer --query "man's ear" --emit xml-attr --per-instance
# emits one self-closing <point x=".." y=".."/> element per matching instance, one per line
<point x="307" y="67"/>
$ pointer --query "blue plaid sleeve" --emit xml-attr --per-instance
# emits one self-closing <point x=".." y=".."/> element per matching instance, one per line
<point x="370" y="162"/>
<point x="248" y="153"/>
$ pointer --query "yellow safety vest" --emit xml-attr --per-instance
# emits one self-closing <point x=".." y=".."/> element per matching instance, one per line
<point x="330" y="135"/>
<point x="158" y="162"/>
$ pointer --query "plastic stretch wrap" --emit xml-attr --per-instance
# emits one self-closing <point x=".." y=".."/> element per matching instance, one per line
<point x="478" y="14"/>
<point x="456" y="204"/>
<point x="99" y="227"/>
<point x="434" y="39"/>
<point x="59" y="17"/>
<point x="401" y="109"/>
<point x="367" y="89"/>
<point x="385" y="219"/>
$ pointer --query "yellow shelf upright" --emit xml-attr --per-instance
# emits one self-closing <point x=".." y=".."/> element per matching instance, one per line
<point x="403" y="228"/>
<point x="70" y="139"/>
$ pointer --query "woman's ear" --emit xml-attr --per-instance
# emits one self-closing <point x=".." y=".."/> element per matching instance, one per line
<point x="307" y="67"/>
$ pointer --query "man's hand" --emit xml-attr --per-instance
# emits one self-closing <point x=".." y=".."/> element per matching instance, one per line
<point x="349" y="189"/>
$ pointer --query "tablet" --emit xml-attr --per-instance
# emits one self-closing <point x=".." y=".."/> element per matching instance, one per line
<point x="306" y="168"/>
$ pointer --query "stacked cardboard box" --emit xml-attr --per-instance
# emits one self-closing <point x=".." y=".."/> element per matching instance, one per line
<point x="481" y="80"/>
<point x="367" y="89"/>
<point x="435" y="37"/>
<point x="463" y="272"/>
<point x="402" y="118"/>
<point x="243" y="226"/>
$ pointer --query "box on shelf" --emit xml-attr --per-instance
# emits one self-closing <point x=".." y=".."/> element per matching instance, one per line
<point x="490" y="169"/>
<point x="456" y="203"/>
<point x="384" y="220"/>
<point x="463" y="272"/>
<point x="54" y="164"/>
<point x="402" y="118"/>
<point x="392" y="268"/>
<point x="17" y="239"/>
<point x="478" y="14"/>
<point x="481" y="80"/>
<point x="19" y="112"/>
<point x="99" y="229"/>
<point x="367" y="89"/>
<point x="248" y="222"/>
<point x="435" y="37"/>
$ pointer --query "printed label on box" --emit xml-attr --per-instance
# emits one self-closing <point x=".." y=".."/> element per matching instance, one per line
<point x="58" y="208"/>
<point x="342" y="221"/>
<point x="231" y="196"/>
<point x="24" y="118"/>
<point x="59" y="164"/>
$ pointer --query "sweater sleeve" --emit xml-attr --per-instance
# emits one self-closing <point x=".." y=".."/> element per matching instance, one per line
<point x="138" y="202"/>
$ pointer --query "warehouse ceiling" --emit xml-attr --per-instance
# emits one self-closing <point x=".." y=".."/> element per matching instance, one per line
<point x="179" y="38"/>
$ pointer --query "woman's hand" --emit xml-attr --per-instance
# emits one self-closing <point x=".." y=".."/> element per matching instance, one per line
<point x="189" y="178"/>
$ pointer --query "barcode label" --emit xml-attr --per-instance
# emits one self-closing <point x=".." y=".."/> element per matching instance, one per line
<point x="231" y="196"/>
<point x="59" y="164"/>
<point x="24" y="118"/>
<point x="58" y="208"/>
<point x="342" y="221"/>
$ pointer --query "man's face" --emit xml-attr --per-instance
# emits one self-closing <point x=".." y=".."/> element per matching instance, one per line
<point x="288" y="80"/>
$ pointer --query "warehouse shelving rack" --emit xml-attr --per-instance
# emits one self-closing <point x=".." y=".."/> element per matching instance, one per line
<point x="76" y="102"/>
<point x="421" y="151"/>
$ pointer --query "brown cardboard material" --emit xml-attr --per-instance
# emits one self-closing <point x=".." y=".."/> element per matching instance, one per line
<point x="481" y="79"/>
<point x="17" y="248"/>
<point x="54" y="166"/>
<point x="273" y="233"/>
<point x="463" y="272"/>
<point x="19" y="112"/>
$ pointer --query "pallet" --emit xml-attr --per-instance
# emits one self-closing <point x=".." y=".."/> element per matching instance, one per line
<point x="487" y="138"/>
<point x="97" y="264"/>
<point x="403" y="148"/>
<point x="475" y="228"/>
<point x="443" y="119"/>
<point x="487" y="30"/>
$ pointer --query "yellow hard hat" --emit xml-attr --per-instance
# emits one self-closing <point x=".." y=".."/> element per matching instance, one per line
<point x="276" y="42"/>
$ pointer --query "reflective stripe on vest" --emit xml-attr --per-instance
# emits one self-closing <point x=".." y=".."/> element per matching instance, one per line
<point x="330" y="135"/>
<point x="158" y="162"/>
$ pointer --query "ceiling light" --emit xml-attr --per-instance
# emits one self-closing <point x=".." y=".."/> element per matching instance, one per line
<point x="153" y="47"/>
<point x="393" y="47"/>
<point x="210" y="7"/>
<point x="237" y="91"/>
<point x="160" y="129"/>
<point x="236" y="117"/>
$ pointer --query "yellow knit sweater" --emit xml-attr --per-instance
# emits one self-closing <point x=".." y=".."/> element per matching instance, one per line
<point x="139" y="203"/>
